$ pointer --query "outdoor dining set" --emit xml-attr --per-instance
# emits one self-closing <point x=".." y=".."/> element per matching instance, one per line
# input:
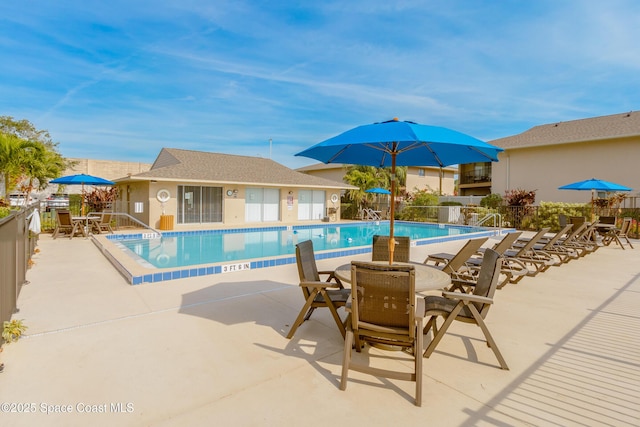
<point x="81" y="225"/>
<point x="385" y="305"/>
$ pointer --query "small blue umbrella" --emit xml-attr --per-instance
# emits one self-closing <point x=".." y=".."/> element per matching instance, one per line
<point x="594" y="184"/>
<point x="401" y="143"/>
<point x="81" y="179"/>
<point x="378" y="190"/>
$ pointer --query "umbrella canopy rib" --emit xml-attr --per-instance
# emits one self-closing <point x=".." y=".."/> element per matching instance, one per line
<point x="435" y="156"/>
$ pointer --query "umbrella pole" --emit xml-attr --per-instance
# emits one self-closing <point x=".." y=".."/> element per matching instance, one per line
<point x="392" y="240"/>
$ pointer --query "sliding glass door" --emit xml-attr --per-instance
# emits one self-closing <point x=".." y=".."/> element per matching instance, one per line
<point x="311" y="205"/>
<point x="262" y="205"/>
<point x="198" y="204"/>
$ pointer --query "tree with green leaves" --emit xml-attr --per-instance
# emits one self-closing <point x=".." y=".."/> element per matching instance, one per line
<point x="367" y="177"/>
<point x="363" y="177"/>
<point x="28" y="156"/>
<point x="12" y="152"/>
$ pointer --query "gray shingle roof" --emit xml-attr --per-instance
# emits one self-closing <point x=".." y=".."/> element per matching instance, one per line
<point x="622" y="125"/>
<point x="175" y="164"/>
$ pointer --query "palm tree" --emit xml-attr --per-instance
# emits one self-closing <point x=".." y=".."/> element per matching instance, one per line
<point x="362" y="177"/>
<point x="40" y="165"/>
<point x="366" y="177"/>
<point x="27" y="155"/>
<point x="12" y="152"/>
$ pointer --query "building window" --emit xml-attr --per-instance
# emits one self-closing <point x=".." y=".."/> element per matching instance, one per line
<point x="420" y="172"/>
<point x="197" y="205"/>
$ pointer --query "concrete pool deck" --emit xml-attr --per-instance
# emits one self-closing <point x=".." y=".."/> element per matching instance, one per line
<point x="212" y="350"/>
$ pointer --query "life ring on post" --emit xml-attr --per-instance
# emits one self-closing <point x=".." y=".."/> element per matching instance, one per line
<point x="334" y="198"/>
<point x="163" y="195"/>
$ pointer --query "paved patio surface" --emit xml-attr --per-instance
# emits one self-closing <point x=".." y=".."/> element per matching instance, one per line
<point x="212" y="351"/>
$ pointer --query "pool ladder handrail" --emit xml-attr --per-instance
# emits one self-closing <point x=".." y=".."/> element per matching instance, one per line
<point x="489" y="216"/>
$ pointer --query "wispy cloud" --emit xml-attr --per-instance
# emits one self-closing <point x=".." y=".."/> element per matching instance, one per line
<point x="106" y="77"/>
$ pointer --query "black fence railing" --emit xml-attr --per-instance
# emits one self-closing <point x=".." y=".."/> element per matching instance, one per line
<point x="526" y="218"/>
<point x="531" y="218"/>
<point x="482" y="175"/>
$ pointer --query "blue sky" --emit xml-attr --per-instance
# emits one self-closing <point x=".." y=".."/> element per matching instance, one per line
<point x="119" y="80"/>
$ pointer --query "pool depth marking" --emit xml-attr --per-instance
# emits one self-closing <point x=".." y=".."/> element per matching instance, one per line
<point x="229" y="268"/>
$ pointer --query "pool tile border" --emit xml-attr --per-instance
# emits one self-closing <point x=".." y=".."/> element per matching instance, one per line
<point x="162" y="275"/>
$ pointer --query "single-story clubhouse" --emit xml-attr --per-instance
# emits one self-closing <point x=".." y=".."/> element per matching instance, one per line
<point x="186" y="190"/>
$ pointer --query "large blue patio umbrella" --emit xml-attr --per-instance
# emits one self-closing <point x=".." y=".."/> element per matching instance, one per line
<point x="81" y="179"/>
<point x="593" y="185"/>
<point x="401" y="143"/>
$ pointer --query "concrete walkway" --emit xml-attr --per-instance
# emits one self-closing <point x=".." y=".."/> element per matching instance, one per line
<point x="212" y="351"/>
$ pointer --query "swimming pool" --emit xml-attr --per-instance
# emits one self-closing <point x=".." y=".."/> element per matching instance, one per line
<point x="175" y="255"/>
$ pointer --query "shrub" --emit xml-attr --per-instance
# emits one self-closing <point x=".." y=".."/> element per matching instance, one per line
<point x="520" y="197"/>
<point x="349" y="211"/>
<point x="491" y="201"/>
<point x="522" y="201"/>
<point x="101" y="198"/>
<point x="414" y="208"/>
<point x="4" y="211"/>
<point x="12" y="330"/>
<point x="548" y="213"/>
<point x="423" y="198"/>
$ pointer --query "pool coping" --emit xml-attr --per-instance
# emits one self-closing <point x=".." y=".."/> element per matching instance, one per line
<point x="136" y="273"/>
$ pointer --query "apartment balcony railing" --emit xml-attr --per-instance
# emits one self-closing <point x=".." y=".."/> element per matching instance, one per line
<point x="475" y="178"/>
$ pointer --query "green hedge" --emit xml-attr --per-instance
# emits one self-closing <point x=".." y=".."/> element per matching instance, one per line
<point x="548" y="213"/>
<point x="4" y="211"/>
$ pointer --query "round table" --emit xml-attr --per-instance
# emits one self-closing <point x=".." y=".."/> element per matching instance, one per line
<point x="428" y="277"/>
<point x="606" y="227"/>
<point x="87" y="220"/>
<point x="604" y="230"/>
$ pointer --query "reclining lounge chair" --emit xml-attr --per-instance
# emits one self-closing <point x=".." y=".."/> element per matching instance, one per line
<point x="509" y="270"/>
<point x="456" y="266"/>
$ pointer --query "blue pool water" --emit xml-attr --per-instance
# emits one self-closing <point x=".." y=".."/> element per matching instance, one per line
<point x="183" y="249"/>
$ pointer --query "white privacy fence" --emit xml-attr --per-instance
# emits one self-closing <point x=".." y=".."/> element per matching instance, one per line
<point x="464" y="200"/>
